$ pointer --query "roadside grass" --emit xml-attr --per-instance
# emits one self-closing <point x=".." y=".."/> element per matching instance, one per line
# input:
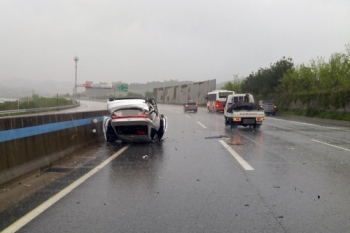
<point x="343" y="116"/>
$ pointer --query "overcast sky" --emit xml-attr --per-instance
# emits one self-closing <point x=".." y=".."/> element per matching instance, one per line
<point x="143" y="41"/>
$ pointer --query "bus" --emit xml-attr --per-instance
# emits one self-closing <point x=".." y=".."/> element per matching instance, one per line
<point x="216" y="100"/>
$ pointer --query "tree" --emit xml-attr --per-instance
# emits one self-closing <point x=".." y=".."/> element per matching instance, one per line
<point x="235" y="85"/>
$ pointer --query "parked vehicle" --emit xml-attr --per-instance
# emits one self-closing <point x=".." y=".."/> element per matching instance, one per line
<point x="190" y="105"/>
<point x="240" y="109"/>
<point x="134" y="120"/>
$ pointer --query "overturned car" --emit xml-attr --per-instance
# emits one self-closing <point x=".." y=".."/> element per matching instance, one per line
<point x="133" y="120"/>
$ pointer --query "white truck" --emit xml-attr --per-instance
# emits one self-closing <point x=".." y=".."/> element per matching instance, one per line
<point x="240" y="109"/>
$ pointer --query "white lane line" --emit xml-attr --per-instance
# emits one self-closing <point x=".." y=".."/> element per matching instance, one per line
<point x="188" y="116"/>
<point x="201" y="125"/>
<point x="45" y="205"/>
<point x="330" y="145"/>
<point x="239" y="159"/>
<point x="303" y="123"/>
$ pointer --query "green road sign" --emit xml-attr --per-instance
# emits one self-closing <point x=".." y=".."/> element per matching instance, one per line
<point x="122" y="87"/>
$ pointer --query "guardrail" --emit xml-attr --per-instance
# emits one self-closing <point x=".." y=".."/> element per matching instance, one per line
<point x="33" y="110"/>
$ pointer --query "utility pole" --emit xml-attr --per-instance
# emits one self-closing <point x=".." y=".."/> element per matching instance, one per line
<point x="76" y="59"/>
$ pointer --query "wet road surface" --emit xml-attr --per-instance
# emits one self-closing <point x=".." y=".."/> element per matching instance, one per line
<point x="297" y="180"/>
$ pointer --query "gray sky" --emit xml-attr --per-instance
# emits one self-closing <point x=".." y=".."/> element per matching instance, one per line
<point x="143" y="41"/>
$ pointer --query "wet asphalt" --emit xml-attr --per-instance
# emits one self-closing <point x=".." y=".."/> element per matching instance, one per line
<point x="187" y="183"/>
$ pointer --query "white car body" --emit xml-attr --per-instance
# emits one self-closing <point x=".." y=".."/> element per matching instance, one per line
<point x="134" y="120"/>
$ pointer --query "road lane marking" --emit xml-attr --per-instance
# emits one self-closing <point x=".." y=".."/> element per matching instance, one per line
<point x="239" y="159"/>
<point x="303" y="123"/>
<point x="330" y="145"/>
<point x="201" y="125"/>
<point x="188" y="116"/>
<point x="51" y="201"/>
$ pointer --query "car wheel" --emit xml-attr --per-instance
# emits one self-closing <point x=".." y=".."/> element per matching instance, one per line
<point x="233" y="125"/>
<point x="256" y="126"/>
<point x="160" y="132"/>
<point x="110" y="135"/>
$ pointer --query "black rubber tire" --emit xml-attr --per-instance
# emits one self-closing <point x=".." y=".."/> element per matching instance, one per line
<point x="110" y="135"/>
<point x="160" y="132"/>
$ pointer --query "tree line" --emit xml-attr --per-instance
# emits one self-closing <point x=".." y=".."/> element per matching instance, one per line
<point x="322" y="83"/>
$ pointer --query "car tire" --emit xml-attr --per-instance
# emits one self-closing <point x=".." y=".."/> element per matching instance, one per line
<point x="233" y="125"/>
<point x="256" y="126"/>
<point x="110" y="134"/>
<point x="160" y="132"/>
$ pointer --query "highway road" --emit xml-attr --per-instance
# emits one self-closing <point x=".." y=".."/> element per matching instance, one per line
<point x="288" y="176"/>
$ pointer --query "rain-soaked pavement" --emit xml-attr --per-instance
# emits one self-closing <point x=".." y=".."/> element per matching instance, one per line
<point x="298" y="181"/>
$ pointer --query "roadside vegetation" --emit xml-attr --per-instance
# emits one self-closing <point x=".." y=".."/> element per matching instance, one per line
<point x="318" y="89"/>
<point x="35" y="101"/>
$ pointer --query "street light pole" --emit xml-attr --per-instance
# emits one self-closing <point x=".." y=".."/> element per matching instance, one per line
<point x="76" y="59"/>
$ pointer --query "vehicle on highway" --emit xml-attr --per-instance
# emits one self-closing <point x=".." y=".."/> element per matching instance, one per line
<point x="190" y="105"/>
<point x="216" y="100"/>
<point x="269" y="107"/>
<point x="133" y="120"/>
<point x="240" y="109"/>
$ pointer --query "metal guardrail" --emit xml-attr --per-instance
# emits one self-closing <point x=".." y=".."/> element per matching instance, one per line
<point x="33" y="110"/>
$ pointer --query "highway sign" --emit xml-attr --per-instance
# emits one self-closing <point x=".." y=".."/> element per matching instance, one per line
<point x="122" y="87"/>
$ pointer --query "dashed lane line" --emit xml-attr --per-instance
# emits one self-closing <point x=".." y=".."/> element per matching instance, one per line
<point x="51" y="201"/>
<point x="239" y="159"/>
<point x="201" y="125"/>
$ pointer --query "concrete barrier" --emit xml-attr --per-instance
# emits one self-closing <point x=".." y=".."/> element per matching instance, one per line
<point x="28" y="143"/>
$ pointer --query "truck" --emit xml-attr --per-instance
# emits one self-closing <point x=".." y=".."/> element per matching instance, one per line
<point x="241" y="109"/>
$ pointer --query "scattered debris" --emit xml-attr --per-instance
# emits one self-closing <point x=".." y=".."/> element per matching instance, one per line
<point x="160" y="177"/>
<point x="235" y="143"/>
<point x="290" y="148"/>
<point x="145" y="157"/>
<point x="26" y="185"/>
<point x="246" y="205"/>
<point x="276" y="187"/>
<point x="104" y="204"/>
<point x="318" y="197"/>
<point x="280" y="216"/>
<point x="212" y="137"/>
<point x="198" y="180"/>
<point x="220" y="136"/>
<point x="236" y="140"/>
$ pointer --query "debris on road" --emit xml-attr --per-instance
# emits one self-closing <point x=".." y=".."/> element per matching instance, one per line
<point x="236" y="140"/>
<point x="220" y="136"/>
<point x="145" y="157"/>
